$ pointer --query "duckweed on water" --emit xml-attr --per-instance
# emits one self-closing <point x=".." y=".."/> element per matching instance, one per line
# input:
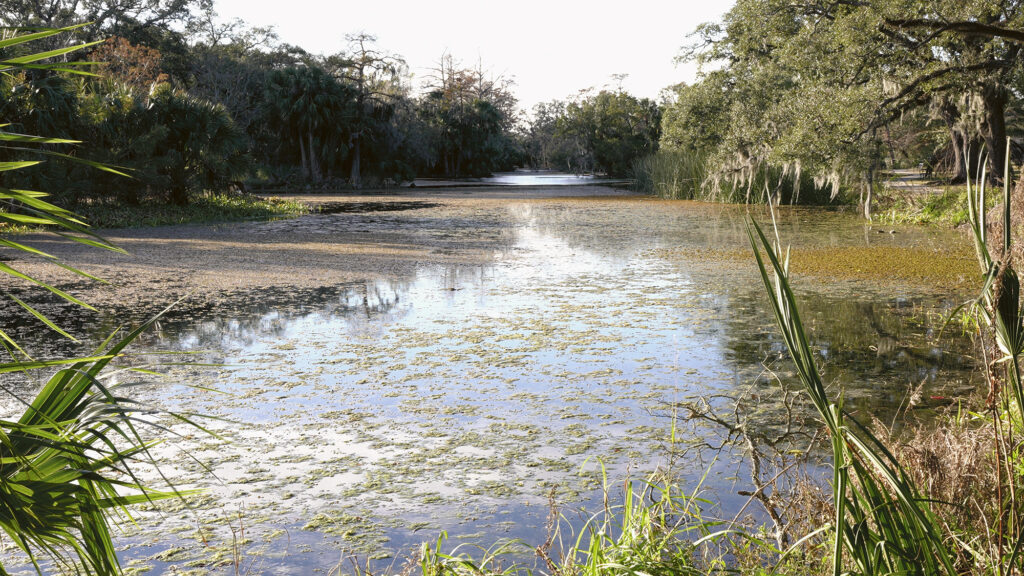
<point x="953" y="268"/>
<point x="361" y="427"/>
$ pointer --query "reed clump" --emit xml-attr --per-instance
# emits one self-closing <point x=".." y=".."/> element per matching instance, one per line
<point x="952" y="463"/>
<point x="658" y="528"/>
<point x="688" y="175"/>
<point x="671" y="174"/>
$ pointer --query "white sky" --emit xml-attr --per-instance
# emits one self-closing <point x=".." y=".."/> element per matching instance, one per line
<point x="552" y="48"/>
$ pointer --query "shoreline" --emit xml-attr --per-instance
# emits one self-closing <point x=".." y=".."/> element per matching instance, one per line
<point x="358" y="238"/>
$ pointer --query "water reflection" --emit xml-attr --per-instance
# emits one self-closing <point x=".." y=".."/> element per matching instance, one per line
<point x="458" y="397"/>
<point x="358" y="308"/>
<point x="876" y="350"/>
<point x="545" y="178"/>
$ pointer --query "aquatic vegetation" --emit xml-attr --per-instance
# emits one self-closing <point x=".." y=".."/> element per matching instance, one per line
<point x="365" y="402"/>
<point x="950" y="268"/>
<point x="206" y="208"/>
<point x="882" y="524"/>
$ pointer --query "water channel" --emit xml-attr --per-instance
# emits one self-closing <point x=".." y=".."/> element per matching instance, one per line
<point x="361" y="419"/>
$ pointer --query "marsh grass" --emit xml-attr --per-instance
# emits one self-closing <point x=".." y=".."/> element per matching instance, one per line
<point x="209" y="208"/>
<point x="1001" y="330"/>
<point x="949" y="461"/>
<point x="656" y="528"/>
<point x="668" y="174"/>
<point x="883" y="525"/>
<point x="659" y="528"/>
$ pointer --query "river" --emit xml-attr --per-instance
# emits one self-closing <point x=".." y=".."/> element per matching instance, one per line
<point x="458" y="394"/>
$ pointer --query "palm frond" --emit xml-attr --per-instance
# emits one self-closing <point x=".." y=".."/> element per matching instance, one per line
<point x="882" y="524"/>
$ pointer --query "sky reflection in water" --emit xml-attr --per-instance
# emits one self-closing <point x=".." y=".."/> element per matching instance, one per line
<point x="375" y="415"/>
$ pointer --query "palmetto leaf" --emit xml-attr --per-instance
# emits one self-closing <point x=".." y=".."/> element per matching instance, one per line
<point x="66" y="464"/>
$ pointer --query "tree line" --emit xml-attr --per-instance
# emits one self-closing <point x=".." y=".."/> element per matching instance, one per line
<point x="186" y="102"/>
<point x="796" y="102"/>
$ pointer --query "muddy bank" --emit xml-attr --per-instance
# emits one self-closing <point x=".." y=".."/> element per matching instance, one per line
<point x="376" y="237"/>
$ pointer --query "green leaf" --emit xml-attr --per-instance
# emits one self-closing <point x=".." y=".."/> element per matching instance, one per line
<point x="26" y="139"/>
<point x="42" y="318"/>
<point x="5" y="166"/>
<point x="26" y="60"/>
<point x="8" y="270"/>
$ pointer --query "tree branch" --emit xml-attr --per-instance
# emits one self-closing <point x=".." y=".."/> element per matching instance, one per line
<point x="966" y="28"/>
<point x="917" y="82"/>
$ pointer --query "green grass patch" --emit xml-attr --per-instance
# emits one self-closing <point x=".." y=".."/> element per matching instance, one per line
<point x="201" y="210"/>
<point x="948" y="207"/>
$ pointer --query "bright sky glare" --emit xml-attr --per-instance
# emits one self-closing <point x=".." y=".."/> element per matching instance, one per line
<point x="551" y="48"/>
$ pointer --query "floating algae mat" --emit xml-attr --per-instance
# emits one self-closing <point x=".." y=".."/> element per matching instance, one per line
<point x="362" y="419"/>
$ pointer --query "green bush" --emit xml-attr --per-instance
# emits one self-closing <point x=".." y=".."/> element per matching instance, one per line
<point x="212" y="207"/>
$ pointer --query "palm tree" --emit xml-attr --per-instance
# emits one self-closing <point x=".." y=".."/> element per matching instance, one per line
<point x="201" y="144"/>
<point x="307" y="105"/>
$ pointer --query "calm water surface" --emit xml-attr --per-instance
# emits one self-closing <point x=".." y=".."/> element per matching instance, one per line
<point x="544" y="178"/>
<point x="366" y="418"/>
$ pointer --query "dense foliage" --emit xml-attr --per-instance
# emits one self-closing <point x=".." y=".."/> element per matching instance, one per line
<point x="207" y="105"/>
<point x="602" y="132"/>
<point x="836" y="91"/>
<point x="221" y="104"/>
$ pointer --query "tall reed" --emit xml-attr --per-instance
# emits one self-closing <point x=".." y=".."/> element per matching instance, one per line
<point x="882" y="523"/>
<point x="1002" y="331"/>
<point x="670" y="174"/>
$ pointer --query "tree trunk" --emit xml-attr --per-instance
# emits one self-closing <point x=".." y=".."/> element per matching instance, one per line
<point x="179" y="195"/>
<point x="959" y="143"/>
<point x="305" y="161"/>
<point x="950" y="116"/>
<point x="995" y="131"/>
<point x="354" y="177"/>
<point x="892" y="152"/>
<point x="796" y="187"/>
<point x="314" y="164"/>
<point x="870" y="185"/>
